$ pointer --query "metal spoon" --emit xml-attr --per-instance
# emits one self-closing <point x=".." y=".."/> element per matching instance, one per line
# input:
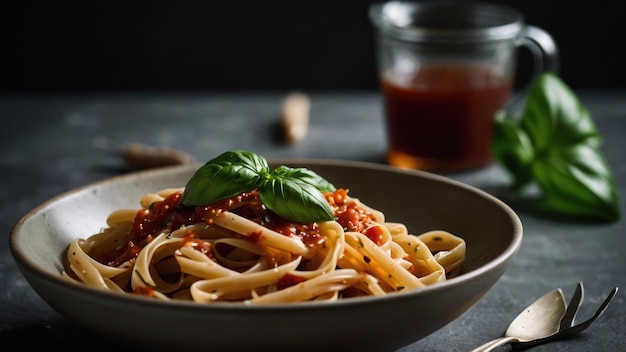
<point x="540" y="319"/>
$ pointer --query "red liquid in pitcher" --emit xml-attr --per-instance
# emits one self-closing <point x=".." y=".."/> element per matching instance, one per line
<point x="441" y="119"/>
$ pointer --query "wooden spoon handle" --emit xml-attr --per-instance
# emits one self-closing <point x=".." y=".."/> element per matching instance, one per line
<point x="295" y="117"/>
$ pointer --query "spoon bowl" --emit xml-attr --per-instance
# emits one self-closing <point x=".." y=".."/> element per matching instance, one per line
<point x="539" y="320"/>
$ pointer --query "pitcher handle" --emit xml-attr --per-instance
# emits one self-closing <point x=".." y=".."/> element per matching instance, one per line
<point x="543" y="47"/>
<point x="546" y="58"/>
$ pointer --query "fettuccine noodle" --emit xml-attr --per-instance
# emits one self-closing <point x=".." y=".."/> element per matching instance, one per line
<point x="238" y="251"/>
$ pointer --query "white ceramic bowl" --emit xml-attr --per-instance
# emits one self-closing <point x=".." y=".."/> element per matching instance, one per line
<point x="492" y="231"/>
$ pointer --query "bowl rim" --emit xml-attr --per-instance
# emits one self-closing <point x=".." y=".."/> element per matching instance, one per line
<point x="25" y="264"/>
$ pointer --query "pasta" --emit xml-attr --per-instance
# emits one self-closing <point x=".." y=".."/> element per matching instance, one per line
<point x="236" y="250"/>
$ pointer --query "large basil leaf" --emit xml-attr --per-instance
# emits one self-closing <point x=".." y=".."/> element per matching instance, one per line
<point x="577" y="182"/>
<point x="554" y="117"/>
<point x="512" y="147"/>
<point x="556" y="144"/>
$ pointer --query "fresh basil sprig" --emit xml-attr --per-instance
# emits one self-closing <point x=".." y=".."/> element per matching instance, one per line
<point x="556" y="144"/>
<point x="293" y="193"/>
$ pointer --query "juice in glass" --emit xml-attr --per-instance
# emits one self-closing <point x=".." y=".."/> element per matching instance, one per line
<point x="441" y="117"/>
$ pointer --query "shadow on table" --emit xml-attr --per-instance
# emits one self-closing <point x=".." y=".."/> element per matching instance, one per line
<point x="530" y="205"/>
<point x="58" y="337"/>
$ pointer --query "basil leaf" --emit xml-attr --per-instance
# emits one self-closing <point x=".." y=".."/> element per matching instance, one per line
<point x="305" y="175"/>
<point x="294" y="199"/>
<point x="512" y="147"/>
<point x="554" y="117"/>
<point x="227" y="175"/>
<point x="577" y="182"/>
<point x="556" y="144"/>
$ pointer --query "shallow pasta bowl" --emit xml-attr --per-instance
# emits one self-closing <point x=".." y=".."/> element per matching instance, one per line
<point x="422" y="201"/>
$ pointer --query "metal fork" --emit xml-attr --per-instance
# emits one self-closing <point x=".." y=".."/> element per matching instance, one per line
<point x="567" y="327"/>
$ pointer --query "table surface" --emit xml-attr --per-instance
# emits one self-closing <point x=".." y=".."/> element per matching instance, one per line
<point x="47" y="148"/>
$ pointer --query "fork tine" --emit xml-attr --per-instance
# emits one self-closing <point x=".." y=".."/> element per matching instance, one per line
<point x="605" y="304"/>
<point x="572" y="308"/>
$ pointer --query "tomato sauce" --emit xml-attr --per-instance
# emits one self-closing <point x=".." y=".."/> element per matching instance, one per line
<point x="144" y="291"/>
<point x="441" y="118"/>
<point x="289" y="280"/>
<point x="170" y="213"/>
<point x="375" y="234"/>
<point x="203" y="247"/>
<point x="147" y="223"/>
<point x="349" y="215"/>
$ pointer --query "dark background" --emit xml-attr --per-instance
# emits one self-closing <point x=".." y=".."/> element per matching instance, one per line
<point x="65" y="46"/>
